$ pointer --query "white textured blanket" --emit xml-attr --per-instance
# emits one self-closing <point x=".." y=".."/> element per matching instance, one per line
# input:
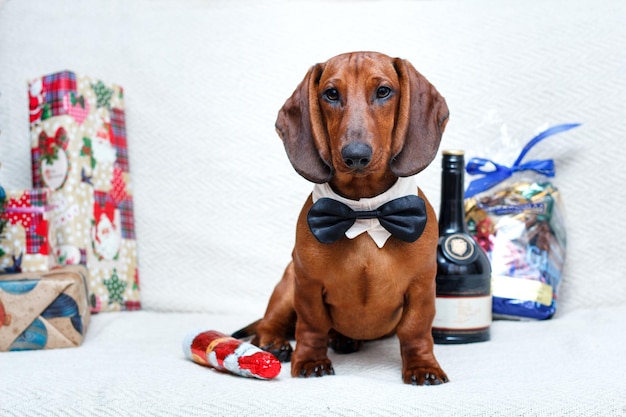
<point x="216" y="199"/>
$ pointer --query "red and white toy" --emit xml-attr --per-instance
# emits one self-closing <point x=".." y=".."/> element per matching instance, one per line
<point x="225" y="353"/>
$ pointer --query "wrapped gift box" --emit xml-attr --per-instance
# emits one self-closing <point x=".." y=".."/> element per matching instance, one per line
<point x="79" y="150"/>
<point x="44" y="310"/>
<point x="25" y="244"/>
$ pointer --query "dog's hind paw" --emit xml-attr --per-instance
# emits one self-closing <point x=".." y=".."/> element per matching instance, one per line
<point x="425" y="376"/>
<point x="313" y="368"/>
<point x="343" y="344"/>
<point x="282" y="350"/>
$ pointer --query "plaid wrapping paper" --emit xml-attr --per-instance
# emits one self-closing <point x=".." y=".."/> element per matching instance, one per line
<point x="25" y="245"/>
<point x="48" y="93"/>
<point x="44" y="310"/>
<point x="80" y="151"/>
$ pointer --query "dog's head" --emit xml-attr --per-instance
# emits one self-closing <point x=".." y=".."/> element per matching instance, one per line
<point x="362" y="114"/>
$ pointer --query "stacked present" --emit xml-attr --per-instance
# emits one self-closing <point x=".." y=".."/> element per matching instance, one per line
<point x="25" y="243"/>
<point x="42" y="306"/>
<point x="79" y="150"/>
<point x="67" y="246"/>
<point x="44" y="310"/>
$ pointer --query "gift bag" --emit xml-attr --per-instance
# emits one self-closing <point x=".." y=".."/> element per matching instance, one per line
<point x="44" y="310"/>
<point x="79" y="150"/>
<point x="25" y="244"/>
<point x="516" y="214"/>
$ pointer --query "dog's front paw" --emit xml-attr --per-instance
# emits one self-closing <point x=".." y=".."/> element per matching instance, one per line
<point x="281" y="349"/>
<point x="424" y="376"/>
<point x="312" y="368"/>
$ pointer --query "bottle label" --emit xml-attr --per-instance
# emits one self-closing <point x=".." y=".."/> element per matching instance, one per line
<point x="462" y="313"/>
<point x="459" y="248"/>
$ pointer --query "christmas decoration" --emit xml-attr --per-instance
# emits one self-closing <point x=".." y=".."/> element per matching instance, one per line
<point x="224" y="353"/>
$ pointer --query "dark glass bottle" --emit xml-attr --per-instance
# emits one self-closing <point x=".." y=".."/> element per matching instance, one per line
<point x="463" y="270"/>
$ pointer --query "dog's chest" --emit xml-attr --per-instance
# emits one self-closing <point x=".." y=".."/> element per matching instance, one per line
<point x="365" y="297"/>
<point x="363" y="274"/>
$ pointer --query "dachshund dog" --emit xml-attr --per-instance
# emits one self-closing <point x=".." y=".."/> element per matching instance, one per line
<point x="357" y="126"/>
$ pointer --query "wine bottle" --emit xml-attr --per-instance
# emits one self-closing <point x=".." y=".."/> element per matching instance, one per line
<point x="463" y="300"/>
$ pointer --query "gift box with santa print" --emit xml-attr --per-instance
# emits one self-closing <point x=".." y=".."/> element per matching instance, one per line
<point x="25" y="242"/>
<point x="79" y="150"/>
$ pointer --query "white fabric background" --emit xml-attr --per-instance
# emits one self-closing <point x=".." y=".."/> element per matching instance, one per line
<point x="216" y="199"/>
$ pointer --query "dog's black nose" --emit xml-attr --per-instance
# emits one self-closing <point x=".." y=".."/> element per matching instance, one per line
<point x="356" y="155"/>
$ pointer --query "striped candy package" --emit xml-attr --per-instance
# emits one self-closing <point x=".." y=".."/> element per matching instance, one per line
<point x="79" y="151"/>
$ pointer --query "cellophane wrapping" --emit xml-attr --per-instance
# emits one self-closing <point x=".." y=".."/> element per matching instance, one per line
<point x="517" y="216"/>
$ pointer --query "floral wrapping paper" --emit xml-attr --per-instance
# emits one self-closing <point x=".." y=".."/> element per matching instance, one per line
<point x="25" y="243"/>
<point x="44" y="310"/>
<point x="79" y="150"/>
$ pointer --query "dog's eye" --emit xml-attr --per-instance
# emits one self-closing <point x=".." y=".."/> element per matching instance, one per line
<point x="331" y="94"/>
<point x="383" y="92"/>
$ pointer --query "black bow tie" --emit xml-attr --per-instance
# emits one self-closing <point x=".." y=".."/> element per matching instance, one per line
<point x="404" y="218"/>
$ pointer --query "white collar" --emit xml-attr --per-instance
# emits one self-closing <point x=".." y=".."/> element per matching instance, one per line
<point x="404" y="186"/>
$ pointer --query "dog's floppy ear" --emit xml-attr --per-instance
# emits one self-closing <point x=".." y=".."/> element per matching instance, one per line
<point x="300" y="126"/>
<point x="422" y="116"/>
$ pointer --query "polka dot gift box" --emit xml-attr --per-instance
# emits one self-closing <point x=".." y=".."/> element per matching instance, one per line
<point x="79" y="151"/>
<point x="25" y="243"/>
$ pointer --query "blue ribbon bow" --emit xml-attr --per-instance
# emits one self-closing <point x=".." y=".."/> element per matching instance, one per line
<point x="501" y="172"/>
